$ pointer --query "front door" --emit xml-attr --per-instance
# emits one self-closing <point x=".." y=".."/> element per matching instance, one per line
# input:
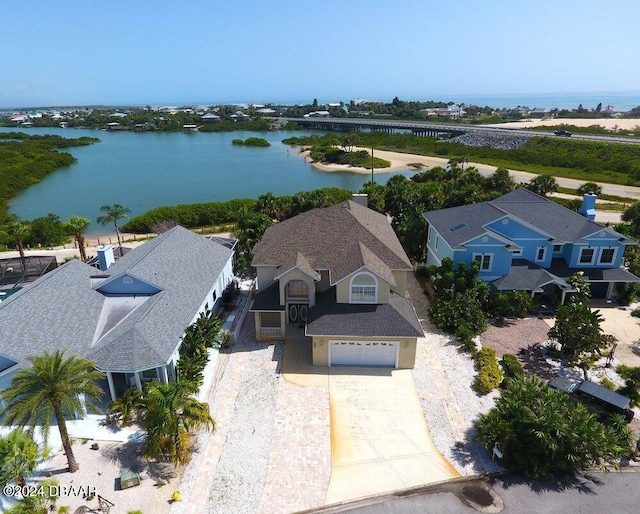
<point x="298" y="312"/>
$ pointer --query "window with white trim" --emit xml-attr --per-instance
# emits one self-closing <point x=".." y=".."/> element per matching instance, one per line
<point x="557" y="248"/>
<point x="517" y="251"/>
<point x="485" y="260"/>
<point x="363" y="288"/>
<point x="541" y="253"/>
<point x="586" y="256"/>
<point x="437" y="241"/>
<point x="607" y="256"/>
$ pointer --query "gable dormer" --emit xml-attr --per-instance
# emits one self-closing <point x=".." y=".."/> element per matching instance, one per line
<point x="126" y="284"/>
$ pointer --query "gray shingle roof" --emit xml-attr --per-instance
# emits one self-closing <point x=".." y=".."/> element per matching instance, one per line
<point x="395" y="319"/>
<point x="554" y="219"/>
<point x="62" y="310"/>
<point x="559" y="268"/>
<point x="527" y="276"/>
<point x="459" y="224"/>
<point x="330" y="238"/>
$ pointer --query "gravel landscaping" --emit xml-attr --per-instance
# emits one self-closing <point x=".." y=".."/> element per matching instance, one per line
<point x="242" y="468"/>
<point x="444" y="377"/>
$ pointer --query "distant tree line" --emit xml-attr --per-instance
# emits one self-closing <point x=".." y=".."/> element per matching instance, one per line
<point x="587" y="160"/>
<point x="26" y="159"/>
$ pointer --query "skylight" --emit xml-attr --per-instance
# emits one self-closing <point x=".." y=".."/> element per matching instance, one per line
<point x="457" y="227"/>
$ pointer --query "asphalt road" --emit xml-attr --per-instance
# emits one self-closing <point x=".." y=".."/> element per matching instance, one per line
<point x="595" y="493"/>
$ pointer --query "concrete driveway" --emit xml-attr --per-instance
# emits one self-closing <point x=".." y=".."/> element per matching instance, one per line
<point x="380" y="441"/>
<point x="626" y="329"/>
<point x="623" y="326"/>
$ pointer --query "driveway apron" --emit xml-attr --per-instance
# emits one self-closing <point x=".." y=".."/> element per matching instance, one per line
<point x="380" y="441"/>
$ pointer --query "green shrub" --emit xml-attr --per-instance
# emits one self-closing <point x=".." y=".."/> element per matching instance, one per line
<point x="511" y="366"/>
<point x="608" y="384"/>
<point x="489" y="372"/>
<point x="636" y="313"/>
<point x="513" y="304"/>
<point x="467" y="339"/>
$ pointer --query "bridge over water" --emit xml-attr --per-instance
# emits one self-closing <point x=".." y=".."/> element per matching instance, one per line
<point x="428" y="129"/>
<point x="418" y="128"/>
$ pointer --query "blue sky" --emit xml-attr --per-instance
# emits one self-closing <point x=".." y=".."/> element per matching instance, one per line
<point x="139" y="52"/>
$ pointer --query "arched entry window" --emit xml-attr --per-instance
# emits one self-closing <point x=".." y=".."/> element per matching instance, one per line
<point x="297" y="289"/>
<point x="363" y="288"/>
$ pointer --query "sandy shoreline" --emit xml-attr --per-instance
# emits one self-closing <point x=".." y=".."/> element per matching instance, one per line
<point x="399" y="162"/>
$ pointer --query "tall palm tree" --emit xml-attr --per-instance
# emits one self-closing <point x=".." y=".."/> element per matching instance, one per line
<point x="49" y="389"/>
<point x="113" y="214"/>
<point x="18" y="458"/>
<point x="171" y="412"/>
<point x="19" y="231"/>
<point x="77" y="225"/>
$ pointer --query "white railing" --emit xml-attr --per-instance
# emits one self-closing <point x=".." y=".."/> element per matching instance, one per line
<point x="270" y="331"/>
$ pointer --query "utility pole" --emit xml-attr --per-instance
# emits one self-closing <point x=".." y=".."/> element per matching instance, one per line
<point x="372" y="165"/>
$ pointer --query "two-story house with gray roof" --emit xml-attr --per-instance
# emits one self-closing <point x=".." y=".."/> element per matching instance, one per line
<point x="341" y="273"/>
<point x="524" y="242"/>
<point x="129" y="318"/>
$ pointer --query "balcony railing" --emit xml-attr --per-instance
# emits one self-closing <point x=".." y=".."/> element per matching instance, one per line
<point x="270" y="331"/>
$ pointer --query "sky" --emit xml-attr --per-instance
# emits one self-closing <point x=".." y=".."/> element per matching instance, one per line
<point x="177" y="52"/>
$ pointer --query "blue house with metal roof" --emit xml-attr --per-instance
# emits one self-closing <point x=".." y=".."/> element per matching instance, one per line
<point x="524" y="242"/>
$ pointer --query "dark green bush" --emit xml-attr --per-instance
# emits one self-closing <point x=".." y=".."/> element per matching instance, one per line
<point x="511" y="366"/>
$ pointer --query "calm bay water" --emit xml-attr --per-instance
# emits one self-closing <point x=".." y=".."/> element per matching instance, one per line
<point x="145" y="170"/>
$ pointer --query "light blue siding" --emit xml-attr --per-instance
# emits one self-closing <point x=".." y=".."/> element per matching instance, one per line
<point x="500" y="257"/>
<point x="435" y="256"/>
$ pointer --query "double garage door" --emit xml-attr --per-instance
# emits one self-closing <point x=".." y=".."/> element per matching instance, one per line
<point x="364" y="353"/>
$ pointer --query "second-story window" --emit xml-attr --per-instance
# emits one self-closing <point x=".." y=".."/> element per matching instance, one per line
<point x="364" y="288"/>
<point x="586" y="256"/>
<point x="297" y="289"/>
<point x="484" y="259"/>
<point x="607" y="255"/>
<point x="541" y="253"/>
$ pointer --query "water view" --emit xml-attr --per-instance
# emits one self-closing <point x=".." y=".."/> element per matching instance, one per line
<point x="146" y="170"/>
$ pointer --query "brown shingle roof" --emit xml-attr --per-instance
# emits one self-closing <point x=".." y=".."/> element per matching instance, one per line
<point x="331" y="238"/>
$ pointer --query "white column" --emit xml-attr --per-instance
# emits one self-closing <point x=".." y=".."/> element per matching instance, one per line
<point x="136" y="374"/>
<point x="112" y="389"/>
<point x="164" y="378"/>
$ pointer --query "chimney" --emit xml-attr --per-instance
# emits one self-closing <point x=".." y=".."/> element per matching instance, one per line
<point x="105" y="257"/>
<point x="588" y="209"/>
<point x="362" y="199"/>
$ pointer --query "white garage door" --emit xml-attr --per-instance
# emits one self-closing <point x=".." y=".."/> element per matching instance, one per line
<point x="363" y="353"/>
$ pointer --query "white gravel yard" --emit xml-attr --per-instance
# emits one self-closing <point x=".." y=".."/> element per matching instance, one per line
<point x="236" y="454"/>
<point x="242" y="469"/>
<point x="444" y="377"/>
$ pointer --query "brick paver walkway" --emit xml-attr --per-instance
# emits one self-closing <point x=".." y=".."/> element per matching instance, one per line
<point x="300" y="459"/>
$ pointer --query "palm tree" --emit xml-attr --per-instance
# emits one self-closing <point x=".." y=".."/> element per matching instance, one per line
<point x="171" y="412"/>
<point x="50" y="388"/>
<point x="18" y="458"/>
<point x="125" y="407"/>
<point x="113" y="214"/>
<point x="19" y="231"/>
<point x="41" y="503"/>
<point x="77" y="225"/>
